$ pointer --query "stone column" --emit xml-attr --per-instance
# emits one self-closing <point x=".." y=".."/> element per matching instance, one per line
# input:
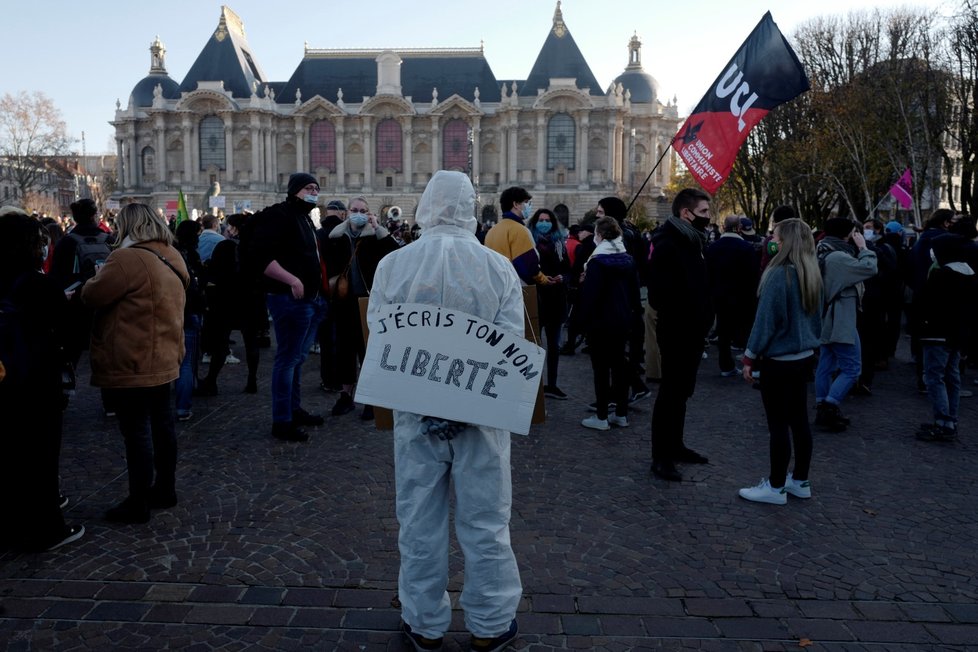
<point x="368" y="154"/>
<point x="584" y="131"/>
<point x="267" y="154"/>
<point x="541" y="171"/>
<point x="503" y="153"/>
<point x="188" y="151"/>
<point x="120" y="169"/>
<point x="435" y="145"/>
<point x="229" y="148"/>
<point x="134" y="172"/>
<point x="513" y="148"/>
<point x="273" y="130"/>
<point x="627" y="164"/>
<point x="340" y="157"/>
<point x="160" y="152"/>
<point x="408" y="154"/>
<point x="255" y="174"/>
<point x="476" y="159"/>
<point x="300" y="148"/>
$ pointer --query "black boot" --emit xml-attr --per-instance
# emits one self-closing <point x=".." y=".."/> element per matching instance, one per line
<point x="288" y="431"/>
<point x="130" y="510"/>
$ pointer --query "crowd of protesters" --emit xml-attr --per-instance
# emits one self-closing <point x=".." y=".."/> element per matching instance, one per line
<point x="798" y="304"/>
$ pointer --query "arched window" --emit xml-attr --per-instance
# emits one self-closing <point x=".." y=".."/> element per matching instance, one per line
<point x="455" y="146"/>
<point x="212" y="151"/>
<point x="148" y="157"/>
<point x="389" y="145"/>
<point x="560" y="142"/>
<point x="322" y="146"/>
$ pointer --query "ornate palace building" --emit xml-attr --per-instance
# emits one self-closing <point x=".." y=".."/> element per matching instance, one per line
<point x="380" y="122"/>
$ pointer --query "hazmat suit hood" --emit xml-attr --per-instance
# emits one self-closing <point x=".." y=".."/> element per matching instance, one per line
<point x="448" y="200"/>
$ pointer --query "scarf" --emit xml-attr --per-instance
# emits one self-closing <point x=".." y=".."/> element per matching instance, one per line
<point x="698" y="238"/>
<point x="615" y="246"/>
<point x="830" y="243"/>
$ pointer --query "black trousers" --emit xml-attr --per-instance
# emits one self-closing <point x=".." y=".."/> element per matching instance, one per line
<point x="785" y="396"/>
<point x="146" y="419"/>
<point x="680" y="360"/>
<point x="608" y="360"/>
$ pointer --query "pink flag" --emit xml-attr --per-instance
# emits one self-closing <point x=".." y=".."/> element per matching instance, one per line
<point x="901" y="190"/>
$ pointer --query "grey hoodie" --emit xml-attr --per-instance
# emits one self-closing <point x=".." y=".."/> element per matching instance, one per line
<point x="842" y="277"/>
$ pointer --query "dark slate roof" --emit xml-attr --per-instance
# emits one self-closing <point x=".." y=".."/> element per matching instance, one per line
<point x="142" y="92"/>
<point x="226" y="57"/>
<point x="644" y="87"/>
<point x="559" y="57"/>
<point x="324" y="73"/>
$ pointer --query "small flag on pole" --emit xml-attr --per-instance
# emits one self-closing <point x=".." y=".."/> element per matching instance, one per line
<point x="182" y="215"/>
<point x="764" y="73"/>
<point x="901" y="190"/>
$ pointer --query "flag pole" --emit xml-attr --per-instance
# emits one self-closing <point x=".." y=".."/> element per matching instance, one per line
<point x="644" y="183"/>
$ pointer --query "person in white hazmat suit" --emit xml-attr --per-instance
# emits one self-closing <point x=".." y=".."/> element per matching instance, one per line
<point x="448" y="267"/>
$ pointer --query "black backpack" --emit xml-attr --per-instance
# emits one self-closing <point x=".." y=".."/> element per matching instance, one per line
<point x="90" y="251"/>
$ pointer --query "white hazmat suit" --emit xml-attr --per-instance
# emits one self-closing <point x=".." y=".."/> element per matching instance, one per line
<point x="448" y="267"/>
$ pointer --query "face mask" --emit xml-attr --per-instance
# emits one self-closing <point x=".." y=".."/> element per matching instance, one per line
<point x="527" y="210"/>
<point x="312" y="199"/>
<point x="869" y="234"/>
<point x="44" y="252"/>
<point x="544" y="227"/>
<point x="700" y="223"/>
<point x="358" y="219"/>
<point x="772" y="248"/>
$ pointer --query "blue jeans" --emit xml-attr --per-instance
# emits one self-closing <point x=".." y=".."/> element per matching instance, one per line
<point x="296" y="323"/>
<point x="184" y="388"/>
<point x="943" y="380"/>
<point x="842" y="357"/>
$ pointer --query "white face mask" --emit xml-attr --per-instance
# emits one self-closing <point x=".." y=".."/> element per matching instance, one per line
<point x="869" y="234"/>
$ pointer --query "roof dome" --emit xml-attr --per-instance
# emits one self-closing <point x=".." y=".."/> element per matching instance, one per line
<point x="643" y="86"/>
<point x="142" y="92"/>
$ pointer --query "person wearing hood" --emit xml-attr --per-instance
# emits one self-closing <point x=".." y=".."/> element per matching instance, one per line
<point x="282" y="249"/>
<point x="946" y="322"/>
<point x="354" y="248"/>
<point x="679" y="293"/>
<point x="448" y="268"/>
<point x="846" y="262"/>
<point x="609" y="309"/>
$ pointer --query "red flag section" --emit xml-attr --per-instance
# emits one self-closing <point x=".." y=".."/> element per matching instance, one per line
<point x="764" y="73"/>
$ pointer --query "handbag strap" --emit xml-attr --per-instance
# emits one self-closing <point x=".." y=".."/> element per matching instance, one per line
<point x="165" y="262"/>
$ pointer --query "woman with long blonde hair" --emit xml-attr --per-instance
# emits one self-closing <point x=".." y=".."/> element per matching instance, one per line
<point x="782" y="344"/>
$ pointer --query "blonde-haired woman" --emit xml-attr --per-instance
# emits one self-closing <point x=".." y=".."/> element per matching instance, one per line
<point x="137" y="346"/>
<point x="782" y="343"/>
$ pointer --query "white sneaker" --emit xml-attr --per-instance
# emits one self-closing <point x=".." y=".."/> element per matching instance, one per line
<point x="205" y="359"/>
<point x="315" y="350"/>
<point x="615" y="420"/>
<point x="730" y="374"/>
<point x="765" y="493"/>
<point x="798" y="488"/>
<point x="595" y="423"/>
<point x="231" y="359"/>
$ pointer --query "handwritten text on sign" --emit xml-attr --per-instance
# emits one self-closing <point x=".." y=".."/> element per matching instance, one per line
<point x="452" y="365"/>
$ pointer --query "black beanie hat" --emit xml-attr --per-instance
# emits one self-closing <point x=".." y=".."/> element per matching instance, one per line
<point x="839" y="227"/>
<point x="300" y="180"/>
<point x="614" y="207"/>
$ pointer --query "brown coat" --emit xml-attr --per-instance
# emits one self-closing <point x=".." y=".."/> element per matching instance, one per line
<point x="137" y="340"/>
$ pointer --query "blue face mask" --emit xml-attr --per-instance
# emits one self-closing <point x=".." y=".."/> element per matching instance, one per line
<point x="527" y="210"/>
<point x="312" y="199"/>
<point x="358" y="219"/>
<point x="544" y="227"/>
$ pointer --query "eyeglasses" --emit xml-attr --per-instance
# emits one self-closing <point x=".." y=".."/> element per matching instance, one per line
<point x="312" y="187"/>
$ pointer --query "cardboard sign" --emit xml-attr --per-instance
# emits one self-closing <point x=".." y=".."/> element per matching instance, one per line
<point x="448" y="364"/>
<point x="217" y="202"/>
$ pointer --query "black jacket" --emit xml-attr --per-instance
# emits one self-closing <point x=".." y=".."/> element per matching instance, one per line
<point x="609" y="301"/>
<point x="733" y="269"/>
<point x="678" y="288"/>
<point x="285" y="233"/>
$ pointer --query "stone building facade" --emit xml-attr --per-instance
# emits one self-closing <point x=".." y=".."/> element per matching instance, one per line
<point x="380" y="122"/>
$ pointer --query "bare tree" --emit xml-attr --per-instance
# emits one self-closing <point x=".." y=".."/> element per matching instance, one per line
<point x="31" y="129"/>
<point x="961" y="58"/>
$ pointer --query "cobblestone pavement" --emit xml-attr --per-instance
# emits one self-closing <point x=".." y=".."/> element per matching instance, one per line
<point x="284" y="546"/>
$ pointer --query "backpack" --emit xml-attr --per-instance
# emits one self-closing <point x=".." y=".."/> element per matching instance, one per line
<point x="90" y="251"/>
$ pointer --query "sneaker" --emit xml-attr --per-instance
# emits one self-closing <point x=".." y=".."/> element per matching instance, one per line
<point x="160" y="498"/>
<point x="496" y="643"/>
<point x="666" y="470"/>
<point x="765" y="493"/>
<point x="593" y="407"/>
<point x="552" y="391"/>
<point x="730" y="374"/>
<point x="638" y="396"/>
<point x="109" y="413"/>
<point x="594" y="423"/>
<point x="344" y="405"/>
<point x="798" y="488"/>
<point x="231" y="359"/>
<point x="62" y="500"/>
<point x="326" y="387"/>
<point x="419" y="642"/>
<point x="934" y="432"/>
<point x="205" y="359"/>
<point x="315" y="350"/>
<point x="861" y="389"/>
<point x="965" y="393"/>
<point x="288" y="431"/>
<point x="71" y="534"/>
<point x="615" y="420"/>
<point x="828" y="417"/>
<point x="302" y="418"/>
<point x="185" y="416"/>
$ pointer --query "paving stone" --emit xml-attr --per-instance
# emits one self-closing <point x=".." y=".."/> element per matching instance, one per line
<point x="834" y="609"/>
<point x="167" y="613"/>
<point x="688" y="627"/>
<point x="560" y="604"/>
<point x="262" y="595"/>
<point x="954" y="634"/>
<point x="751" y="628"/>
<point x="125" y="611"/>
<point x="309" y="597"/>
<point x="68" y="610"/>
<point x="718" y="608"/>
<point x="123" y="591"/>
<point x="875" y="632"/>
<point x="271" y="616"/>
<point x="641" y="606"/>
<point x="75" y="589"/>
<point x="372" y="619"/>
<point x="818" y="629"/>
<point x="580" y="625"/>
<point x="219" y="614"/>
<point x="320" y="618"/>
<point x="169" y="592"/>
<point x="216" y="594"/>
